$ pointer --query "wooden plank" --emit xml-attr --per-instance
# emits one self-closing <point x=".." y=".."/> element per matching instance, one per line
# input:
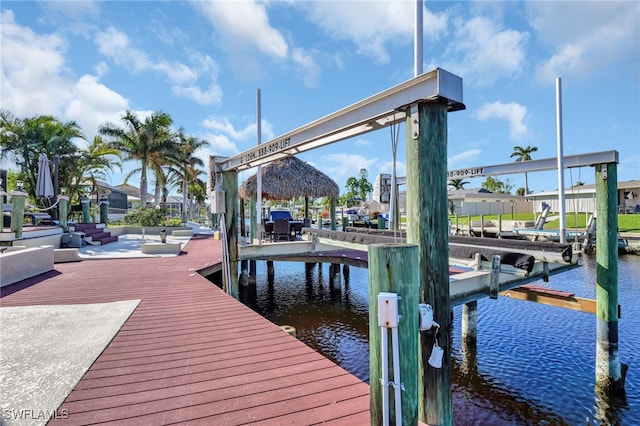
<point x="189" y="351"/>
<point x="551" y="299"/>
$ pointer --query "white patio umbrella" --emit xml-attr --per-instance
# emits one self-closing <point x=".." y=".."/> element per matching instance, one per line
<point x="44" y="185"/>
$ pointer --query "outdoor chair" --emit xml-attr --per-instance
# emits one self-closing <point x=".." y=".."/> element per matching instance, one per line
<point x="268" y="230"/>
<point x="297" y="230"/>
<point x="281" y="229"/>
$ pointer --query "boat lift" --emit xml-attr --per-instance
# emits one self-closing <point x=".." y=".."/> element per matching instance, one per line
<point x="419" y="101"/>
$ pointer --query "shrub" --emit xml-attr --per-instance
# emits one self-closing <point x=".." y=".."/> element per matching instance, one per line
<point x="145" y="217"/>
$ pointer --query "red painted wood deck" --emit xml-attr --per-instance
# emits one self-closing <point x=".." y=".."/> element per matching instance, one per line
<point x="190" y="353"/>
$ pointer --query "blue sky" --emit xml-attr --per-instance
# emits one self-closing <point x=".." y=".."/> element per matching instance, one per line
<point x="202" y="63"/>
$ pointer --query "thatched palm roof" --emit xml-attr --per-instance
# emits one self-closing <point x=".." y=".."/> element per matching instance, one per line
<point x="289" y="178"/>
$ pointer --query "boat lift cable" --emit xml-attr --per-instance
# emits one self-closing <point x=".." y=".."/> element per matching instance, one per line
<point x="225" y="254"/>
<point x="393" y="220"/>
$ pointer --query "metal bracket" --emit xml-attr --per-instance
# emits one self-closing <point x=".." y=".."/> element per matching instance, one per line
<point x="604" y="171"/>
<point x="415" y="122"/>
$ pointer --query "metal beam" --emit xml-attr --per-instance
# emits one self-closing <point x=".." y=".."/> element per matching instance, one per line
<point x="375" y="112"/>
<point x="570" y="161"/>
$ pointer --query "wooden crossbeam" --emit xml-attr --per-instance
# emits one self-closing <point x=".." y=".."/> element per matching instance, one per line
<point x="553" y="298"/>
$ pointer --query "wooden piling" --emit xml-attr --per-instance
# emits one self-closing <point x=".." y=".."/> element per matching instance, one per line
<point x="469" y="337"/>
<point x="244" y="273"/>
<point x="333" y="213"/>
<point x="270" y="272"/>
<point x="252" y="272"/>
<point x="392" y="269"/>
<point x="230" y="187"/>
<point x="610" y="374"/>
<point x="253" y="221"/>
<point x="427" y="223"/>
<point x="469" y="326"/>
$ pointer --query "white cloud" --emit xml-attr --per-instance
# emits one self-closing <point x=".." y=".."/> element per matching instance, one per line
<point x="483" y="52"/>
<point x="71" y="10"/>
<point x="341" y="166"/>
<point x="115" y="45"/>
<point x="94" y="104"/>
<point x="512" y="112"/>
<point x="220" y="144"/>
<point x="27" y="61"/>
<point x="211" y="96"/>
<point x="307" y="67"/>
<point x="463" y="158"/>
<point x="600" y="36"/>
<point x="224" y="136"/>
<point x="373" y="26"/>
<point x="244" y="25"/>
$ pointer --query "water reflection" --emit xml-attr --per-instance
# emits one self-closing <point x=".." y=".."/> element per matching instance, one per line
<point x="532" y="364"/>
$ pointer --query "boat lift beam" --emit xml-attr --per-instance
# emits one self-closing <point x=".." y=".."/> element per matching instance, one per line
<point x="545" y="164"/>
<point x="383" y="109"/>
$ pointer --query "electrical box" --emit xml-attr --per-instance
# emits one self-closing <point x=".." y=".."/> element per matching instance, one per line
<point x="426" y="316"/>
<point x="388" y="310"/>
<point x="217" y="202"/>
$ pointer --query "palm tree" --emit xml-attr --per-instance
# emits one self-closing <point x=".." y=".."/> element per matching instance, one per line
<point x="25" y="139"/>
<point x="457" y="184"/>
<point x="141" y="141"/>
<point x="524" y="154"/>
<point x="186" y="163"/>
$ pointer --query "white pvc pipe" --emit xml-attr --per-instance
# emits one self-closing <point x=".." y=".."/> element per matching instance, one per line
<point x="417" y="45"/>
<point x="384" y="339"/>
<point x="259" y="171"/>
<point x="397" y="384"/>
<point x="563" y="225"/>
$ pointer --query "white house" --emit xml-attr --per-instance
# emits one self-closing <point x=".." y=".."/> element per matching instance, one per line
<point x="582" y="199"/>
<point x="477" y="201"/>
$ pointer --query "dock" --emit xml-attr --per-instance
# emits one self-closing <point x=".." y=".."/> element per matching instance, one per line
<point x="189" y="353"/>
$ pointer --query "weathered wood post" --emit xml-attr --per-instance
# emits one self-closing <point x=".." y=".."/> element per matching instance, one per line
<point x="254" y="223"/>
<point x="270" y="271"/>
<point x="427" y="225"/>
<point x="392" y="269"/>
<point x="255" y="232"/>
<point x="333" y="213"/>
<point x="230" y="188"/>
<point x="252" y="272"/>
<point x="469" y="335"/>
<point x="244" y="264"/>
<point x="610" y="374"/>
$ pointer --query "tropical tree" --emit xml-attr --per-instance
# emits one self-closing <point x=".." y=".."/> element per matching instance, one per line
<point x="187" y="164"/>
<point x="524" y="154"/>
<point x="25" y="139"/>
<point x="359" y="187"/>
<point x="457" y="184"/>
<point x="496" y="185"/>
<point x="144" y="141"/>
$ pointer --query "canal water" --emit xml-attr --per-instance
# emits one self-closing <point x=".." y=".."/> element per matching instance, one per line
<point x="535" y="364"/>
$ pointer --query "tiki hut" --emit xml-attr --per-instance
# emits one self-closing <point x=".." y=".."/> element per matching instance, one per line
<point x="290" y="178"/>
